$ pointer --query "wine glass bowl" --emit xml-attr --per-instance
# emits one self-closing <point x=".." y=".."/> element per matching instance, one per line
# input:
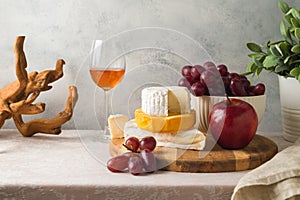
<point x="107" y="69"/>
<point x="109" y="77"/>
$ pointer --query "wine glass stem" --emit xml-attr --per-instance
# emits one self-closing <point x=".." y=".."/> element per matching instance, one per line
<point x="106" y="112"/>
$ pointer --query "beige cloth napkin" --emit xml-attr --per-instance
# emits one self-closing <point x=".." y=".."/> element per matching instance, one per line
<point x="277" y="179"/>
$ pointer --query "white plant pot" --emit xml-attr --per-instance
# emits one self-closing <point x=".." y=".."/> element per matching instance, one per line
<point x="289" y="90"/>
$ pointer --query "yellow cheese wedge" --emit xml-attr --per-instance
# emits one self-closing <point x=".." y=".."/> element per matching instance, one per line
<point x="167" y="124"/>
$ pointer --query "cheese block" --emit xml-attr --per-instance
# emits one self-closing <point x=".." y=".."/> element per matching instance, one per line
<point x="190" y="139"/>
<point x="165" y="101"/>
<point x="166" y="124"/>
<point x="116" y="125"/>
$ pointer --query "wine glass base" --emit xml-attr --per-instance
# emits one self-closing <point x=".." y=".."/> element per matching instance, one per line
<point x="104" y="139"/>
<point x="105" y="136"/>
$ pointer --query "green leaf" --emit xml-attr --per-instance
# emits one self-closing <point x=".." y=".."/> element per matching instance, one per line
<point x="275" y="51"/>
<point x="295" y="22"/>
<point x="288" y="18"/>
<point x="298" y="78"/>
<point x="281" y="68"/>
<point x="285" y="32"/>
<point x="279" y="50"/>
<point x="256" y="55"/>
<point x="295" y="72"/>
<point x="295" y="13"/>
<point x="258" y="71"/>
<point x="284" y="7"/>
<point x="246" y="73"/>
<point x="297" y="33"/>
<point x="288" y="37"/>
<point x="283" y="29"/>
<point x="253" y="55"/>
<point x="272" y="43"/>
<point x="296" y="48"/>
<point x="258" y="63"/>
<point x="249" y="67"/>
<point x="284" y="47"/>
<point x="295" y="61"/>
<point x="254" y="47"/>
<point x="286" y="59"/>
<point x="270" y="61"/>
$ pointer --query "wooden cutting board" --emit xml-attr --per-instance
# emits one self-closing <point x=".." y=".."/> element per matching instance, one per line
<point x="212" y="159"/>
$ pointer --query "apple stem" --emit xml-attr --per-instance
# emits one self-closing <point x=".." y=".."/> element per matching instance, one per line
<point x="228" y="98"/>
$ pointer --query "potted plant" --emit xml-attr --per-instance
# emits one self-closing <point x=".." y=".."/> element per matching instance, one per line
<point x="283" y="58"/>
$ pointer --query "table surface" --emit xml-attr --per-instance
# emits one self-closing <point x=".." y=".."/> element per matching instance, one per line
<point x="72" y="166"/>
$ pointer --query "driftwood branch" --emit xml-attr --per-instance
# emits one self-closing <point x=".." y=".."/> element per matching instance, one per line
<point x="49" y="126"/>
<point x="17" y="98"/>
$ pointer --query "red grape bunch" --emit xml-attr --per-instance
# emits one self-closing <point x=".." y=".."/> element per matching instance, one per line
<point x="213" y="80"/>
<point x="139" y="160"/>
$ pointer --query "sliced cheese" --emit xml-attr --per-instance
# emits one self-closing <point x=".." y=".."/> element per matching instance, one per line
<point x="166" y="124"/>
<point x="116" y="125"/>
<point x="165" y="101"/>
<point x="190" y="139"/>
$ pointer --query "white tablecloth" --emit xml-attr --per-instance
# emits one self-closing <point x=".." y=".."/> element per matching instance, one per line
<point x="67" y="167"/>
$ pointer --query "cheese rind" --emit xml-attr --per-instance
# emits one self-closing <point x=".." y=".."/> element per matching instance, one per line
<point x="116" y="125"/>
<point x="190" y="139"/>
<point x="165" y="101"/>
<point x="178" y="100"/>
<point x="168" y="124"/>
<point x="155" y="101"/>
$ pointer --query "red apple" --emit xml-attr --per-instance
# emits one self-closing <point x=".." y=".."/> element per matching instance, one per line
<point x="233" y="123"/>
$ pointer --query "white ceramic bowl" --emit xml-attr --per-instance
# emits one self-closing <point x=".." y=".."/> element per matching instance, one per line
<point x="203" y="105"/>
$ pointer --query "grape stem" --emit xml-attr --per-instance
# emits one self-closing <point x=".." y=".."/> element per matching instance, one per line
<point x="130" y="149"/>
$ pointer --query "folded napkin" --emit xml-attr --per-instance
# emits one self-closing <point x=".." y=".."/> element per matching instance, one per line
<point x="278" y="178"/>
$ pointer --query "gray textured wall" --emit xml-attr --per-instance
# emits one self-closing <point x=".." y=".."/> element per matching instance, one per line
<point x="64" y="29"/>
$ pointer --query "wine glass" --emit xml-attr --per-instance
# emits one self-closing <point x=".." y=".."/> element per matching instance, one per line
<point x="107" y="69"/>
